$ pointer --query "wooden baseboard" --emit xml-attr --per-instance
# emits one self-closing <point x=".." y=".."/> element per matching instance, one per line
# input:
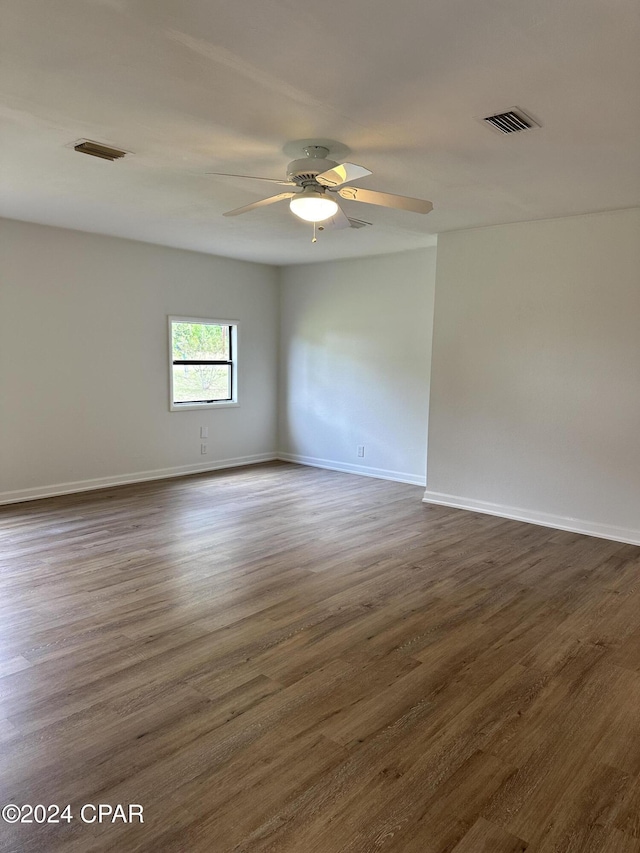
<point x="49" y="491"/>
<point x="346" y="468"/>
<point x="558" y="522"/>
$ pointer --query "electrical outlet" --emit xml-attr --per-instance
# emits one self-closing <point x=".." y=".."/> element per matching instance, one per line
<point x="203" y="448"/>
<point x="204" y="432"/>
<point x="361" y="450"/>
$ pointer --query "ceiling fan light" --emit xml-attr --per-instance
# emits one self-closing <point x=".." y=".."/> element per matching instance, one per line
<point x="313" y="206"/>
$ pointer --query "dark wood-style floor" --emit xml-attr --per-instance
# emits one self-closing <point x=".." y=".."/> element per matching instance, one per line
<point x="279" y="658"/>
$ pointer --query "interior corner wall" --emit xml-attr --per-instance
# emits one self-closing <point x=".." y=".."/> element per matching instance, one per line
<point x="355" y="361"/>
<point x="535" y="386"/>
<point x="84" y="360"/>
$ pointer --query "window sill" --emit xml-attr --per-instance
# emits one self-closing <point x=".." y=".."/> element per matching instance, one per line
<point x="187" y="407"/>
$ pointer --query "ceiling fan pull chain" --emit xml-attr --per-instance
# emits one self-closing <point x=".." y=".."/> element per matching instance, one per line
<point x="314" y="239"/>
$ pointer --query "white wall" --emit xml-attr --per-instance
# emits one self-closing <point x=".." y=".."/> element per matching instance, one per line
<point x="535" y="387"/>
<point x="84" y="360"/>
<point x="355" y="362"/>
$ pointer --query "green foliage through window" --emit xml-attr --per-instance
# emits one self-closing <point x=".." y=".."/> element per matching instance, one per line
<point x="200" y="342"/>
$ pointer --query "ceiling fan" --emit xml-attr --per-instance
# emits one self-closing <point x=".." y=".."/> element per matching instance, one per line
<point x="315" y="181"/>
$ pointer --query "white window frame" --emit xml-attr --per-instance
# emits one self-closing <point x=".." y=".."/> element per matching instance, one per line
<point x="214" y="404"/>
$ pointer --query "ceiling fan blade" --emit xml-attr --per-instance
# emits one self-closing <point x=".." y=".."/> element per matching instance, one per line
<point x="400" y="202"/>
<point x="338" y="221"/>
<point x="253" y="178"/>
<point x="342" y="174"/>
<point x="271" y="200"/>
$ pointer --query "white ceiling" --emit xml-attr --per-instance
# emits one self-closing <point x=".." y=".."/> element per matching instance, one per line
<point x="190" y="86"/>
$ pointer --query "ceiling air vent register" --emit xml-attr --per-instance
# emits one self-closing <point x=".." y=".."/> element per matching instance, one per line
<point x="511" y="121"/>
<point x="97" y="149"/>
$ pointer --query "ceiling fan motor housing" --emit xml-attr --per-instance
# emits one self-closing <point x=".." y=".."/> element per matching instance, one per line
<point x="305" y="170"/>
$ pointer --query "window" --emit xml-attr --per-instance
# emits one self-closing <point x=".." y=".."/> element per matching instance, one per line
<point x="203" y="362"/>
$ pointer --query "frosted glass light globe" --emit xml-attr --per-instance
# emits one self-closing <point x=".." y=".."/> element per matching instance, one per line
<point x="313" y="206"/>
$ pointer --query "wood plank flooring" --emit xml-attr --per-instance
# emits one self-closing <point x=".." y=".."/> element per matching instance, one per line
<point x="280" y="659"/>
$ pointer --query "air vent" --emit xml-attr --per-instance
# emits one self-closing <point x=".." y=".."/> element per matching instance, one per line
<point x="511" y="121"/>
<point x="96" y="149"/>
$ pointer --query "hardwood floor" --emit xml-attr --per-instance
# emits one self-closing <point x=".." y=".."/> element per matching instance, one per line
<point x="280" y="658"/>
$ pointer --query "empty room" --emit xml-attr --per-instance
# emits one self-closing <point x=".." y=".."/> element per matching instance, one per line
<point x="319" y="426"/>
